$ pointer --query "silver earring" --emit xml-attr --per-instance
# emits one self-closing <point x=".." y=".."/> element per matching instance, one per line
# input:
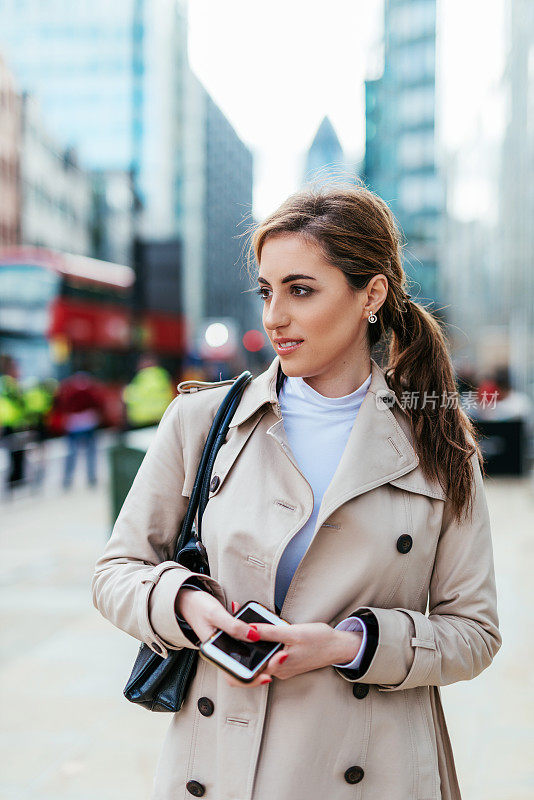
<point x="372" y="317"/>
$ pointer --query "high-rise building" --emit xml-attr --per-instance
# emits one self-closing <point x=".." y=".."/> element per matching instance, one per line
<point x="9" y="158"/>
<point x="516" y="193"/>
<point x="325" y="158"/>
<point x="217" y="179"/>
<point x="56" y="199"/>
<point x="114" y="215"/>
<point x="487" y="257"/>
<point x="108" y="78"/>
<point x="400" y="162"/>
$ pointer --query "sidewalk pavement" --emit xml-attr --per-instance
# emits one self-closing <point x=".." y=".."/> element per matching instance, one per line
<point x="67" y="732"/>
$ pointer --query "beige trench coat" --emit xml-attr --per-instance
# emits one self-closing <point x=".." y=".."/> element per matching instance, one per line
<point x="295" y="739"/>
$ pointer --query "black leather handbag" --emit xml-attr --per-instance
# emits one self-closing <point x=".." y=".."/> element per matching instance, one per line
<point x="157" y="683"/>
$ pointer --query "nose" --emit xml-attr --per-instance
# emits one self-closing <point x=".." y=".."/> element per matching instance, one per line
<point x="275" y="315"/>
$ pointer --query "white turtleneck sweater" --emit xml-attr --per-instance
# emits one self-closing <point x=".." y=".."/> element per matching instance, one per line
<point x="317" y="429"/>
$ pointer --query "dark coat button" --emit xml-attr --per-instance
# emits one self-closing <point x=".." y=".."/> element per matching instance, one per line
<point x="353" y="774"/>
<point x="205" y="706"/>
<point x="195" y="788"/>
<point x="215" y="481"/>
<point x="360" y="690"/>
<point x="404" y="543"/>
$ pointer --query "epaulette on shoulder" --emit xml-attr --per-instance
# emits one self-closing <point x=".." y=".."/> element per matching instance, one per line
<point x="187" y="387"/>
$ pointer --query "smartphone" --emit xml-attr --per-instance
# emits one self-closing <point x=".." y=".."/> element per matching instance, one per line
<point x="243" y="660"/>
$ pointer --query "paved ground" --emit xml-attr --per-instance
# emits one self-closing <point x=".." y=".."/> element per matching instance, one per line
<point x="68" y="735"/>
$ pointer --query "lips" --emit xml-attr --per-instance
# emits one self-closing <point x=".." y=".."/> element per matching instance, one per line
<point x="288" y="348"/>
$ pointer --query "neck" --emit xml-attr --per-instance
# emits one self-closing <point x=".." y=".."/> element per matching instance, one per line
<point x="340" y="381"/>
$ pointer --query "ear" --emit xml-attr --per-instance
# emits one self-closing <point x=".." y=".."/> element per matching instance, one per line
<point x="377" y="290"/>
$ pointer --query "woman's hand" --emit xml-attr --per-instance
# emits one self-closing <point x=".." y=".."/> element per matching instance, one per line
<point x="206" y="614"/>
<point x="307" y="646"/>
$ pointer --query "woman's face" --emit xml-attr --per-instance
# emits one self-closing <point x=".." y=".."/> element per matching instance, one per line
<point x="308" y="300"/>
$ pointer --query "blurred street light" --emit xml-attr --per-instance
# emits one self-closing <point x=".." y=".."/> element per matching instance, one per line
<point x="253" y="341"/>
<point x="218" y="339"/>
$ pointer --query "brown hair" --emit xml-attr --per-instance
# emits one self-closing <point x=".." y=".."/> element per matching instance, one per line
<point x="357" y="233"/>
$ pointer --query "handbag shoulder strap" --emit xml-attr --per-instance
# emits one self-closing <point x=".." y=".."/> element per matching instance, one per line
<point x="214" y="441"/>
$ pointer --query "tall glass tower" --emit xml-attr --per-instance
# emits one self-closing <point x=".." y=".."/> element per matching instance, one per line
<point x="325" y="157"/>
<point x="108" y="78"/>
<point x="400" y="157"/>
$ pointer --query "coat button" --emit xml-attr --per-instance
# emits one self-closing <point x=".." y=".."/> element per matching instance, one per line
<point x="404" y="543"/>
<point x="360" y="690"/>
<point x="205" y="706"/>
<point x="353" y="774"/>
<point x="195" y="788"/>
<point x="215" y="481"/>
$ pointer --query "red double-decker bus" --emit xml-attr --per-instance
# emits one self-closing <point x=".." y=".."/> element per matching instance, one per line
<point x="61" y="312"/>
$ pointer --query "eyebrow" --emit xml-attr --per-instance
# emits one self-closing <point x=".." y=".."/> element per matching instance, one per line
<point x="289" y="278"/>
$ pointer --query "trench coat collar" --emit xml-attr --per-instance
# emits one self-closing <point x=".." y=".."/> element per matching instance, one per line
<point x="262" y="390"/>
<point x="379" y="448"/>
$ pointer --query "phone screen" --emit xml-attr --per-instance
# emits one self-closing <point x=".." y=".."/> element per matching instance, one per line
<point x="249" y="655"/>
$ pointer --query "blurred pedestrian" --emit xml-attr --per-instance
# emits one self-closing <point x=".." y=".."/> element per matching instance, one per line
<point x="513" y="406"/>
<point x="148" y="394"/>
<point x="13" y="428"/>
<point x="79" y="400"/>
<point x="38" y="397"/>
<point x="510" y="404"/>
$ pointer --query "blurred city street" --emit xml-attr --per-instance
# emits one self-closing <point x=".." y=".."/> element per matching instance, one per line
<point x="149" y="150"/>
<point x="63" y="666"/>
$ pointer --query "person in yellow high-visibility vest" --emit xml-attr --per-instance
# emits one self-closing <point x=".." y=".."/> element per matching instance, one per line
<point x="11" y="404"/>
<point x="147" y="396"/>
<point x="38" y="397"/>
<point x="38" y="401"/>
<point x="12" y="425"/>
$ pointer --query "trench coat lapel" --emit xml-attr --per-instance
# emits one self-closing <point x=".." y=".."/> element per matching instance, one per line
<point x="377" y="450"/>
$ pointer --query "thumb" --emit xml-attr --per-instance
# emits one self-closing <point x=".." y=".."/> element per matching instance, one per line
<point x="236" y="628"/>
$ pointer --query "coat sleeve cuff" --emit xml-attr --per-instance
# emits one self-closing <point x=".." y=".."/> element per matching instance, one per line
<point x="353" y="624"/>
<point x="161" y="604"/>
<point x="371" y="626"/>
<point x="404" y="652"/>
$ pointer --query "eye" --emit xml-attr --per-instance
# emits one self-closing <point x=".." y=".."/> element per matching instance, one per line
<point x="306" y="290"/>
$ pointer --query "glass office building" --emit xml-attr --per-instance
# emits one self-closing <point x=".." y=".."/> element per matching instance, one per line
<point x="400" y="160"/>
<point x="325" y="159"/>
<point x="107" y="78"/>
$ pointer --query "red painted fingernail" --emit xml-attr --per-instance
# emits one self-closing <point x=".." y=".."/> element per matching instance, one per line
<point x="253" y="635"/>
<point x="266" y="680"/>
<point x="233" y="607"/>
<point x="283" y="658"/>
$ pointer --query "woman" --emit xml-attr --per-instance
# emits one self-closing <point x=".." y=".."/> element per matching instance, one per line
<point x="338" y="500"/>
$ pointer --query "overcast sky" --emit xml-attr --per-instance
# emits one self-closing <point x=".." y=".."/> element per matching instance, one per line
<point x="275" y="69"/>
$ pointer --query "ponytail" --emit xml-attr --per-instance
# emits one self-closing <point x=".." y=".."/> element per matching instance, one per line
<point x="420" y="372"/>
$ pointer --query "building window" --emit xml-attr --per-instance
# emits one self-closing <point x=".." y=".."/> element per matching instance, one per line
<point x="416" y="149"/>
<point x="415" y="61"/>
<point x="421" y="193"/>
<point x="416" y="106"/>
<point x="414" y="19"/>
